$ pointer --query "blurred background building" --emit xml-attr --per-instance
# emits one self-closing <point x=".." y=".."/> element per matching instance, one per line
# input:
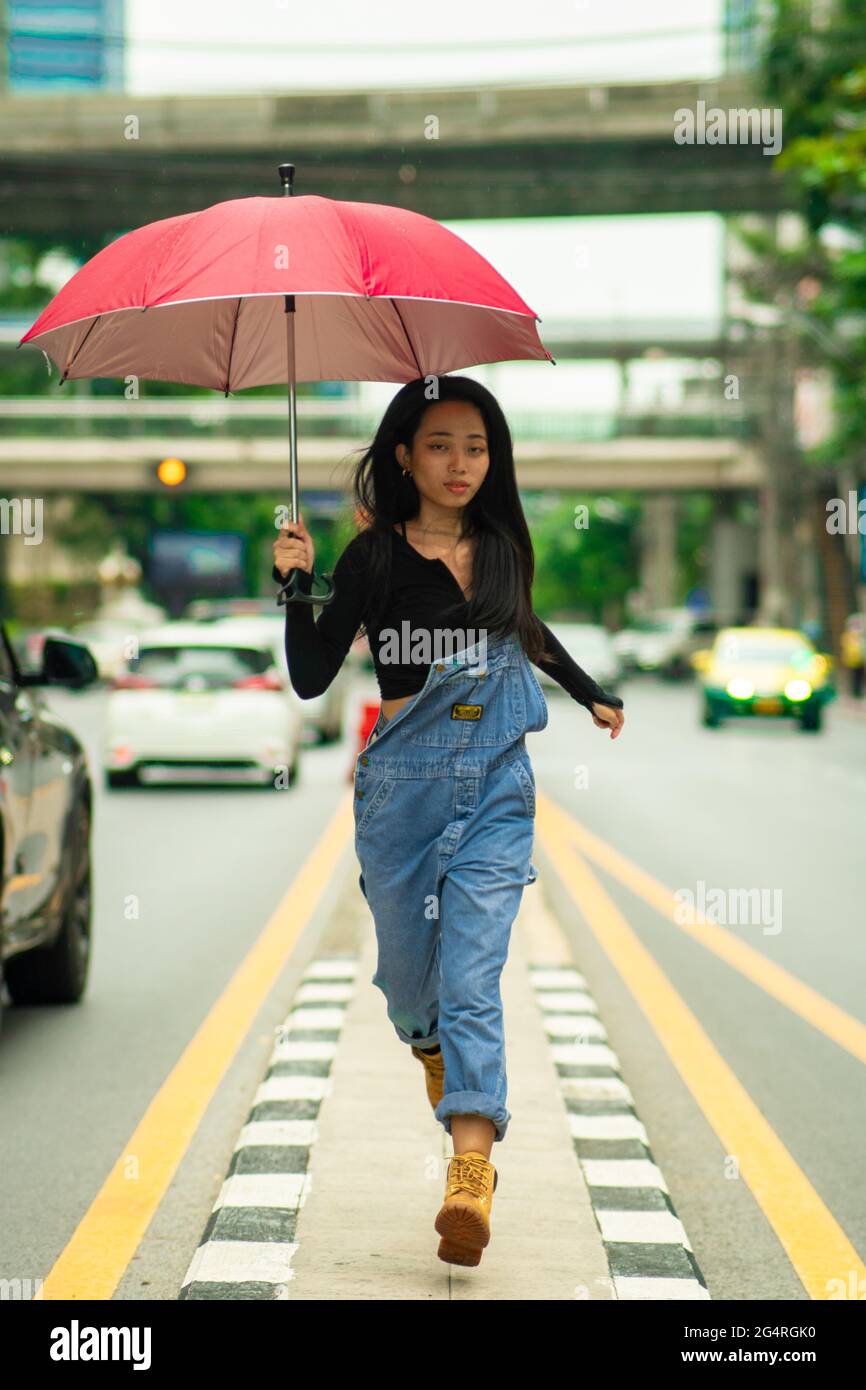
<point x="74" y="46"/>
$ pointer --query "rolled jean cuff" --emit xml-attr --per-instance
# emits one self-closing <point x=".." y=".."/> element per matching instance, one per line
<point x="473" y="1103"/>
<point x="430" y="1041"/>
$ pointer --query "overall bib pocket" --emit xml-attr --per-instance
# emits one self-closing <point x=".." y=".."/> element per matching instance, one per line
<point x="486" y="711"/>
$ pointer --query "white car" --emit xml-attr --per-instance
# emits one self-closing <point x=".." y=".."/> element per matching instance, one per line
<point x="198" y="704"/>
<point x="591" y="647"/>
<point x="323" y="715"/>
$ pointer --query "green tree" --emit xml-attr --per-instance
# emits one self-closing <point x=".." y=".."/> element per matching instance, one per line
<point x="585" y="553"/>
<point x="815" y="70"/>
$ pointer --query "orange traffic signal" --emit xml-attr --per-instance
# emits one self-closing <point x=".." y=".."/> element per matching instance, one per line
<point x="171" y="472"/>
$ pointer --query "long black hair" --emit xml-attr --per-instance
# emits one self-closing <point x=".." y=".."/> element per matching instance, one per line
<point x="504" y="563"/>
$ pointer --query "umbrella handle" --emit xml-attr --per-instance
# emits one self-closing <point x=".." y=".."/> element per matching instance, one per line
<point x="290" y="593"/>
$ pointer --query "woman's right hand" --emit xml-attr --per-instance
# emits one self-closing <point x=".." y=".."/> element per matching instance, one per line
<point x="293" y="548"/>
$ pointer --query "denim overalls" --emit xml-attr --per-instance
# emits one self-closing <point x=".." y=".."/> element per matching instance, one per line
<point x="444" y="819"/>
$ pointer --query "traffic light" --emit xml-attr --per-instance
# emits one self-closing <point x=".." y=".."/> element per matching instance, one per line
<point x="171" y="472"/>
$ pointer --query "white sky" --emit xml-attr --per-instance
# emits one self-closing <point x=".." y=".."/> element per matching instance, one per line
<point x="607" y="268"/>
<point x="291" y="45"/>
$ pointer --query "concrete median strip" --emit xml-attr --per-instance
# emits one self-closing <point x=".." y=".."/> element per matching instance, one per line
<point x="248" y="1245"/>
<point x="647" y="1249"/>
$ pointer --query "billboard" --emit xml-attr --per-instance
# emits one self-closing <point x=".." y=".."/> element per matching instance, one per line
<point x="200" y="562"/>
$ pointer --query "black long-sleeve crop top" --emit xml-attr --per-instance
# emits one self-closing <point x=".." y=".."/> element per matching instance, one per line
<point x="421" y="589"/>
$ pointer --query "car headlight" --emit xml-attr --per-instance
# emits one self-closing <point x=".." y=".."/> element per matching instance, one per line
<point x="798" y="690"/>
<point x="740" y="688"/>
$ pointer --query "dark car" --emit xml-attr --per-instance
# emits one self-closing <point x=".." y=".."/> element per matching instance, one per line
<point x="45" y="813"/>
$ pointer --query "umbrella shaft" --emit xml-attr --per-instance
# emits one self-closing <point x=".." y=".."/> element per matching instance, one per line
<point x="293" y="419"/>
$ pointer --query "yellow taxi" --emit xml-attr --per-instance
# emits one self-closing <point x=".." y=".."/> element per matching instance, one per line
<point x="767" y="672"/>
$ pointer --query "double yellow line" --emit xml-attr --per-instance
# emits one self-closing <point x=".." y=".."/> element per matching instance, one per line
<point x="822" y="1256"/>
<point x="108" y="1235"/>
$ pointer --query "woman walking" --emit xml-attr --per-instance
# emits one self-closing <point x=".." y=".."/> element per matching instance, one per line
<point x="444" y="805"/>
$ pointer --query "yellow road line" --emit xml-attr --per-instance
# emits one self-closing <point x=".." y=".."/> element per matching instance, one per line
<point x="105" y="1240"/>
<point x="774" y="979"/>
<point x="818" y="1248"/>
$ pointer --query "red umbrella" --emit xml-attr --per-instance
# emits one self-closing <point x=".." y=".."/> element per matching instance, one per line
<point x="256" y="291"/>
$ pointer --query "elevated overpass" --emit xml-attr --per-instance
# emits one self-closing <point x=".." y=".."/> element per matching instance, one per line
<point x="97" y="164"/>
<point x="38" y="466"/>
<point x="92" y="444"/>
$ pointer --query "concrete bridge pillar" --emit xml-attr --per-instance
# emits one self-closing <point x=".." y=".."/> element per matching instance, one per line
<point x="733" y="562"/>
<point x="658" y="551"/>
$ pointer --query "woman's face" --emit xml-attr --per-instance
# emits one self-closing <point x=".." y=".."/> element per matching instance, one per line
<point x="449" y="458"/>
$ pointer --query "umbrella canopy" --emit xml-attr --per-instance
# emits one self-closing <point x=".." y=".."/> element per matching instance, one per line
<point x="382" y="294"/>
<point x="260" y="291"/>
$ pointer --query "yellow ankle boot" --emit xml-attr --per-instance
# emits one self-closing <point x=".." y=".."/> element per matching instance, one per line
<point x="464" y="1217"/>
<point x="434" y="1066"/>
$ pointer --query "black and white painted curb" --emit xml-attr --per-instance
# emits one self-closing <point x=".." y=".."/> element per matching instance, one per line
<point x="647" y="1248"/>
<point x="249" y="1243"/>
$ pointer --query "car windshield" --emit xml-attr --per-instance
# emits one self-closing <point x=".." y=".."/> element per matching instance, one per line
<point x="653" y="625"/>
<point x="780" y="653"/>
<point x="97" y="630"/>
<point x="673" y="622"/>
<point x="199" y="668"/>
<point x="212" y="610"/>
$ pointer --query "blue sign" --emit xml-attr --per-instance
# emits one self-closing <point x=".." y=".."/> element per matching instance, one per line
<point x="698" y="599"/>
